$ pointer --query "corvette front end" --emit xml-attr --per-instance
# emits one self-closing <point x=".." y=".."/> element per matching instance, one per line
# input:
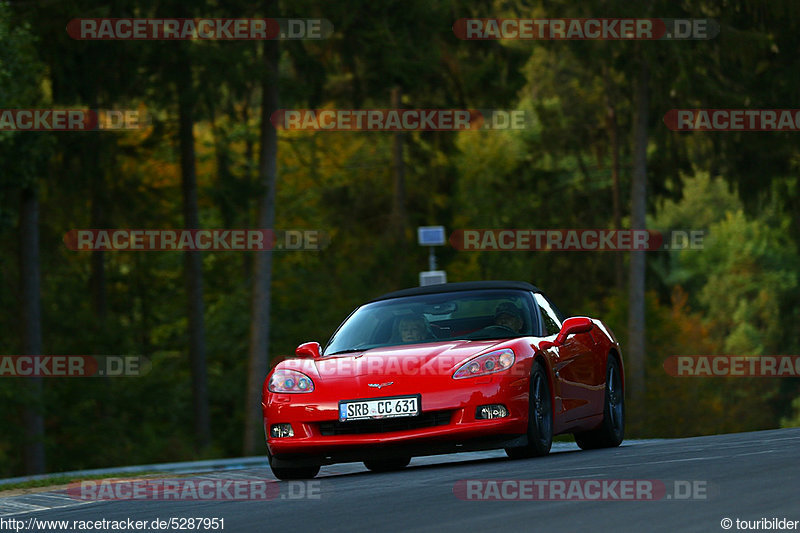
<point x="441" y="369"/>
<point x="452" y="401"/>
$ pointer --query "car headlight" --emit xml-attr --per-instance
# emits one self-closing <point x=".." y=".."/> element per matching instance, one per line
<point x="290" y="381"/>
<point x="489" y="363"/>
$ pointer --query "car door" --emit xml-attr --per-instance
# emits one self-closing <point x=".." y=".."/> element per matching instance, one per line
<point x="574" y="365"/>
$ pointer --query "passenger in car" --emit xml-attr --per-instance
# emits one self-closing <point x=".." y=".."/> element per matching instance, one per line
<point x="509" y="316"/>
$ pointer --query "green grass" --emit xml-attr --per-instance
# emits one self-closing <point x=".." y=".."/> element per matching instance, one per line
<point x="55" y="479"/>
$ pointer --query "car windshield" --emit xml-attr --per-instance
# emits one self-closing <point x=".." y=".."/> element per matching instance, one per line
<point x="466" y="315"/>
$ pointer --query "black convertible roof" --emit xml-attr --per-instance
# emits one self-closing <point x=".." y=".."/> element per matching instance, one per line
<point x="464" y="286"/>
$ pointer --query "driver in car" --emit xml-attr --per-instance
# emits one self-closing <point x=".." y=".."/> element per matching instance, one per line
<point x="413" y="328"/>
<point x="509" y="316"/>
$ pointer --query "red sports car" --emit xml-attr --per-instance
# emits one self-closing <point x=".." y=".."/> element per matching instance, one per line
<point x="445" y="368"/>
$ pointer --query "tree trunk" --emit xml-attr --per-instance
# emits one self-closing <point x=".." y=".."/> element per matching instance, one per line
<point x="31" y="328"/>
<point x="398" y="216"/>
<point x="94" y="169"/>
<point x="193" y="260"/>
<point x="97" y="276"/>
<point x="262" y="265"/>
<point x="613" y="134"/>
<point x="613" y="137"/>
<point x="636" y="296"/>
<point x="249" y="157"/>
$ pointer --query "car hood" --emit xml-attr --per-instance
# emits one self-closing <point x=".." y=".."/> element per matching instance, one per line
<point x="423" y="360"/>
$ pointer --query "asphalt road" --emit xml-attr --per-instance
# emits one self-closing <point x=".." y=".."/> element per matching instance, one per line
<point x="748" y="476"/>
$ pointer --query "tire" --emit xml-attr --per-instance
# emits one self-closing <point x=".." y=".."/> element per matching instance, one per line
<point x="540" y="417"/>
<point x="388" y="465"/>
<point x="612" y="431"/>
<point x="285" y="473"/>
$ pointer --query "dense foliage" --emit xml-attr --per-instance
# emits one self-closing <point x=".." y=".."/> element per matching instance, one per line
<point x="738" y="295"/>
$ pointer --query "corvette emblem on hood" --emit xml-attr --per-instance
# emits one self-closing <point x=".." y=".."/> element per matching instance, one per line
<point x="380" y="385"/>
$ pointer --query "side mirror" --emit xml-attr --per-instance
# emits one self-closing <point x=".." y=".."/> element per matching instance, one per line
<point x="308" y="349"/>
<point x="576" y="324"/>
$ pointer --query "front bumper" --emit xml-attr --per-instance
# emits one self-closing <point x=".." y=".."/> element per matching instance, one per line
<point x="313" y="417"/>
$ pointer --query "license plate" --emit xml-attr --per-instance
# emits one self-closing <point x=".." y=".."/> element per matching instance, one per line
<point x="375" y="408"/>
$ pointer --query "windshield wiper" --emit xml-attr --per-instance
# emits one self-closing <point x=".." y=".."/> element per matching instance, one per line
<point x="351" y="350"/>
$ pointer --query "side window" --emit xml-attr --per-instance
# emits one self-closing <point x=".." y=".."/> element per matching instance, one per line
<point x="552" y="324"/>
